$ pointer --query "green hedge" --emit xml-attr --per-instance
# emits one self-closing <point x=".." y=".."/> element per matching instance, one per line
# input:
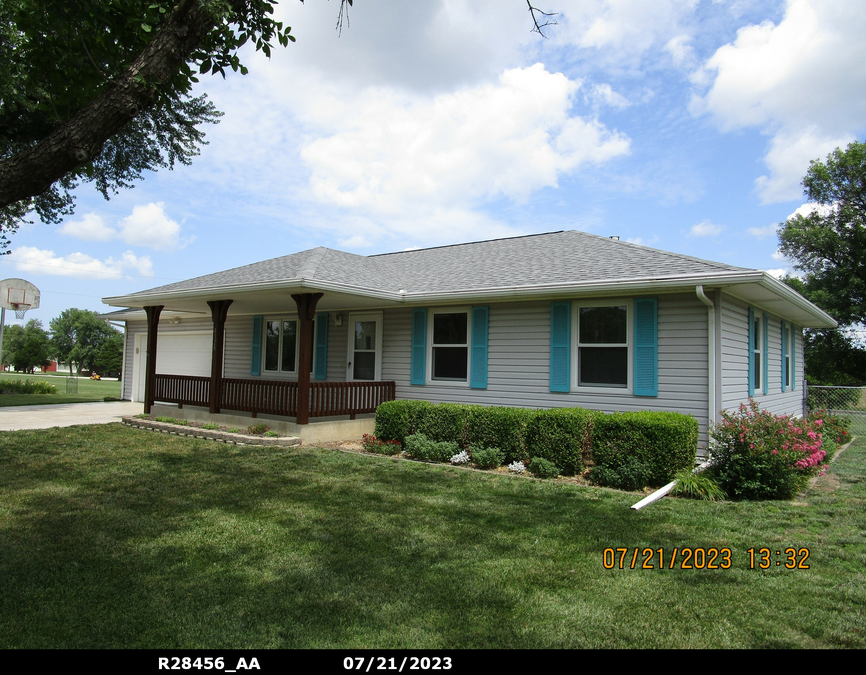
<point x="562" y="436"/>
<point x="664" y="441"/>
<point x="567" y="437"/>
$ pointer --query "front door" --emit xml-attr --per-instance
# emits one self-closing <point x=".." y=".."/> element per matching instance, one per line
<point x="364" y="360"/>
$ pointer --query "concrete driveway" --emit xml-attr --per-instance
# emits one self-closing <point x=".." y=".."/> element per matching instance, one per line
<point x="17" y="417"/>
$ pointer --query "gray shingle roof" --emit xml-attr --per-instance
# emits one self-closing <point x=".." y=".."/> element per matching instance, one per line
<point x="554" y="258"/>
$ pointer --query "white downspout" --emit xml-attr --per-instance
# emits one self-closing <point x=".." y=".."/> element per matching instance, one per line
<point x="711" y="356"/>
<point x="711" y="393"/>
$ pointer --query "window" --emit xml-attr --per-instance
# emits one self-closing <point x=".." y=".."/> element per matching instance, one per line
<point x="450" y="346"/>
<point x="603" y="345"/>
<point x="282" y="346"/>
<point x="758" y="352"/>
<point x="787" y="356"/>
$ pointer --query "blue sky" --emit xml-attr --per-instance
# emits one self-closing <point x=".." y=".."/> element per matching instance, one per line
<point x="684" y="125"/>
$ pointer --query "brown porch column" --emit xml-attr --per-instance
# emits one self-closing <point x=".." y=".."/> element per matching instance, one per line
<point x="218" y="310"/>
<point x="150" y="364"/>
<point x="306" y="303"/>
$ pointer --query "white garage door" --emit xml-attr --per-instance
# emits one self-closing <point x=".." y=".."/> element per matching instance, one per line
<point x="177" y="354"/>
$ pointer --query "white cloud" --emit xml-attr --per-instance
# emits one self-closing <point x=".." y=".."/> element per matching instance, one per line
<point x="355" y="241"/>
<point x="800" y="80"/>
<point x="681" y="52"/>
<point x="777" y="272"/>
<point x="630" y="26"/>
<point x="809" y="208"/>
<point x="91" y="227"/>
<point x="80" y="265"/>
<point x="706" y="229"/>
<point x="148" y="225"/>
<point x="762" y="232"/>
<point x="396" y="155"/>
<point x="603" y="94"/>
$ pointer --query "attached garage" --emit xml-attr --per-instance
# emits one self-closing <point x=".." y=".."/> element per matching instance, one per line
<point x="181" y="353"/>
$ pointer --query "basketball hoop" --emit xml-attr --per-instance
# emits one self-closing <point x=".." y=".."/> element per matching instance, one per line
<point x="20" y="310"/>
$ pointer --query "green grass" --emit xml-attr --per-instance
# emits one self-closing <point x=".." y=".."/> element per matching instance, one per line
<point x="115" y="537"/>
<point x="88" y="390"/>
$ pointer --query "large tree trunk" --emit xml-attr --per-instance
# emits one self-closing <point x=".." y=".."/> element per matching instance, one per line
<point x="80" y="139"/>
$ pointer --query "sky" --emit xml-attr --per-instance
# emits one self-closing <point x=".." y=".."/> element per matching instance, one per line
<point x="684" y="125"/>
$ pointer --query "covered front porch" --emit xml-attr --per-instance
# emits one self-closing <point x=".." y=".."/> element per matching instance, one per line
<point x="293" y="402"/>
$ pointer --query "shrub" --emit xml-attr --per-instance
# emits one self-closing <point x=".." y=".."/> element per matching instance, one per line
<point x="380" y="447"/>
<point x="397" y="419"/>
<point x="758" y="455"/>
<point x="257" y="429"/>
<point x="562" y="436"/>
<point x="500" y="427"/>
<point x="26" y="387"/>
<point x="234" y="430"/>
<point x="631" y="474"/>
<point x="663" y="442"/>
<point x="487" y="458"/>
<point x="447" y="422"/>
<point x="517" y="467"/>
<point x="421" y="447"/>
<point x="210" y="426"/>
<point x="697" y="486"/>
<point x="461" y="457"/>
<point x="834" y="427"/>
<point x="543" y="469"/>
<point x="271" y="434"/>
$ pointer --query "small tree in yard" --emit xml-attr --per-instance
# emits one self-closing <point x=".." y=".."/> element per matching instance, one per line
<point x="78" y="336"/>
<point x="26" y="347"/>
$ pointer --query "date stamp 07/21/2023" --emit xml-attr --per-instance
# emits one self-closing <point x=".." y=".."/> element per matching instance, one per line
<point x="700" y="558"/>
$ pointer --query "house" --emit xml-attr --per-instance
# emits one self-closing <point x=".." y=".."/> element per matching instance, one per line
<point x="548" y="320"/>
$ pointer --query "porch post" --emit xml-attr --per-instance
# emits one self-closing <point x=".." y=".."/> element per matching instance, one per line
<point x="150" y="364"/>
<point x="218" y="310"/>
<point x="306" y="303"/>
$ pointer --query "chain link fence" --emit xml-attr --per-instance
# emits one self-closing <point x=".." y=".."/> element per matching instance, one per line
<point x="847" y="401"/>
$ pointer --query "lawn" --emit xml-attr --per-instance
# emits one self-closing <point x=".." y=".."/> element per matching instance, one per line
<point x="88" y="390"/>
<point x="121" y="538"/>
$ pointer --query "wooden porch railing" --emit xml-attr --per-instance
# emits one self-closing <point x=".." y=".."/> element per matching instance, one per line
<point x="182" y="389"/>
<point x="276" y="397"/>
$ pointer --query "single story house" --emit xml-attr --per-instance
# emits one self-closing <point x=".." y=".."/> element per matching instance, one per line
<point x="542" y="321"/>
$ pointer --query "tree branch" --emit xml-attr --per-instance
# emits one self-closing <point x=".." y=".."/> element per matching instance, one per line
<point x="80" y="139"/>
<point x="535" y="13"/>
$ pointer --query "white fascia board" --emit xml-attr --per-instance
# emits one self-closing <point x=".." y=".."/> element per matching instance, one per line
<point x="142" y="299"/>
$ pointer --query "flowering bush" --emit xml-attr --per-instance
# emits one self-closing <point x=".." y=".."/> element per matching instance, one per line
<point x="373" y="444"/>
<point x="759" y="455"/>
<point x="834" y="427"/>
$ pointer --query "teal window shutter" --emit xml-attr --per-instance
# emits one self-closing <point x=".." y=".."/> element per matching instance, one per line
<point x="418" y="372"/>
<point x="784" y="355"/>
<point x="794" y="332"/>
<point x="646" y="347"/>
<point x="478" y="360"/>
<point x="560" y="346"/>
<point x="751" y="350"/>
<point x="256" y="367"/>
<point x="320" y="367"/>
<point x="765" y="348"/>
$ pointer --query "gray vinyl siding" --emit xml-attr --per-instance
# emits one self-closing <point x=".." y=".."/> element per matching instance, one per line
<point x="519" y="362"/>
<point x="132" y="327"/>
<point x="735" y="362"/>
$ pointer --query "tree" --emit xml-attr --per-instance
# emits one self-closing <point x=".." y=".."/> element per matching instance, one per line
<point x="27" y="347"/>
<point x="109" y="358"/>
<point x="829" y="246"/>
<point x="100" y="91"/>
<point x="78" y="336"/>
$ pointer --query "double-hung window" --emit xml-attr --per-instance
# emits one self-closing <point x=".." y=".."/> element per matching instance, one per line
<point x="758" y="374"/>
<point x="787" y="356"/>
<point x="603" y="344"/>
<point x="449" y="345"/>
